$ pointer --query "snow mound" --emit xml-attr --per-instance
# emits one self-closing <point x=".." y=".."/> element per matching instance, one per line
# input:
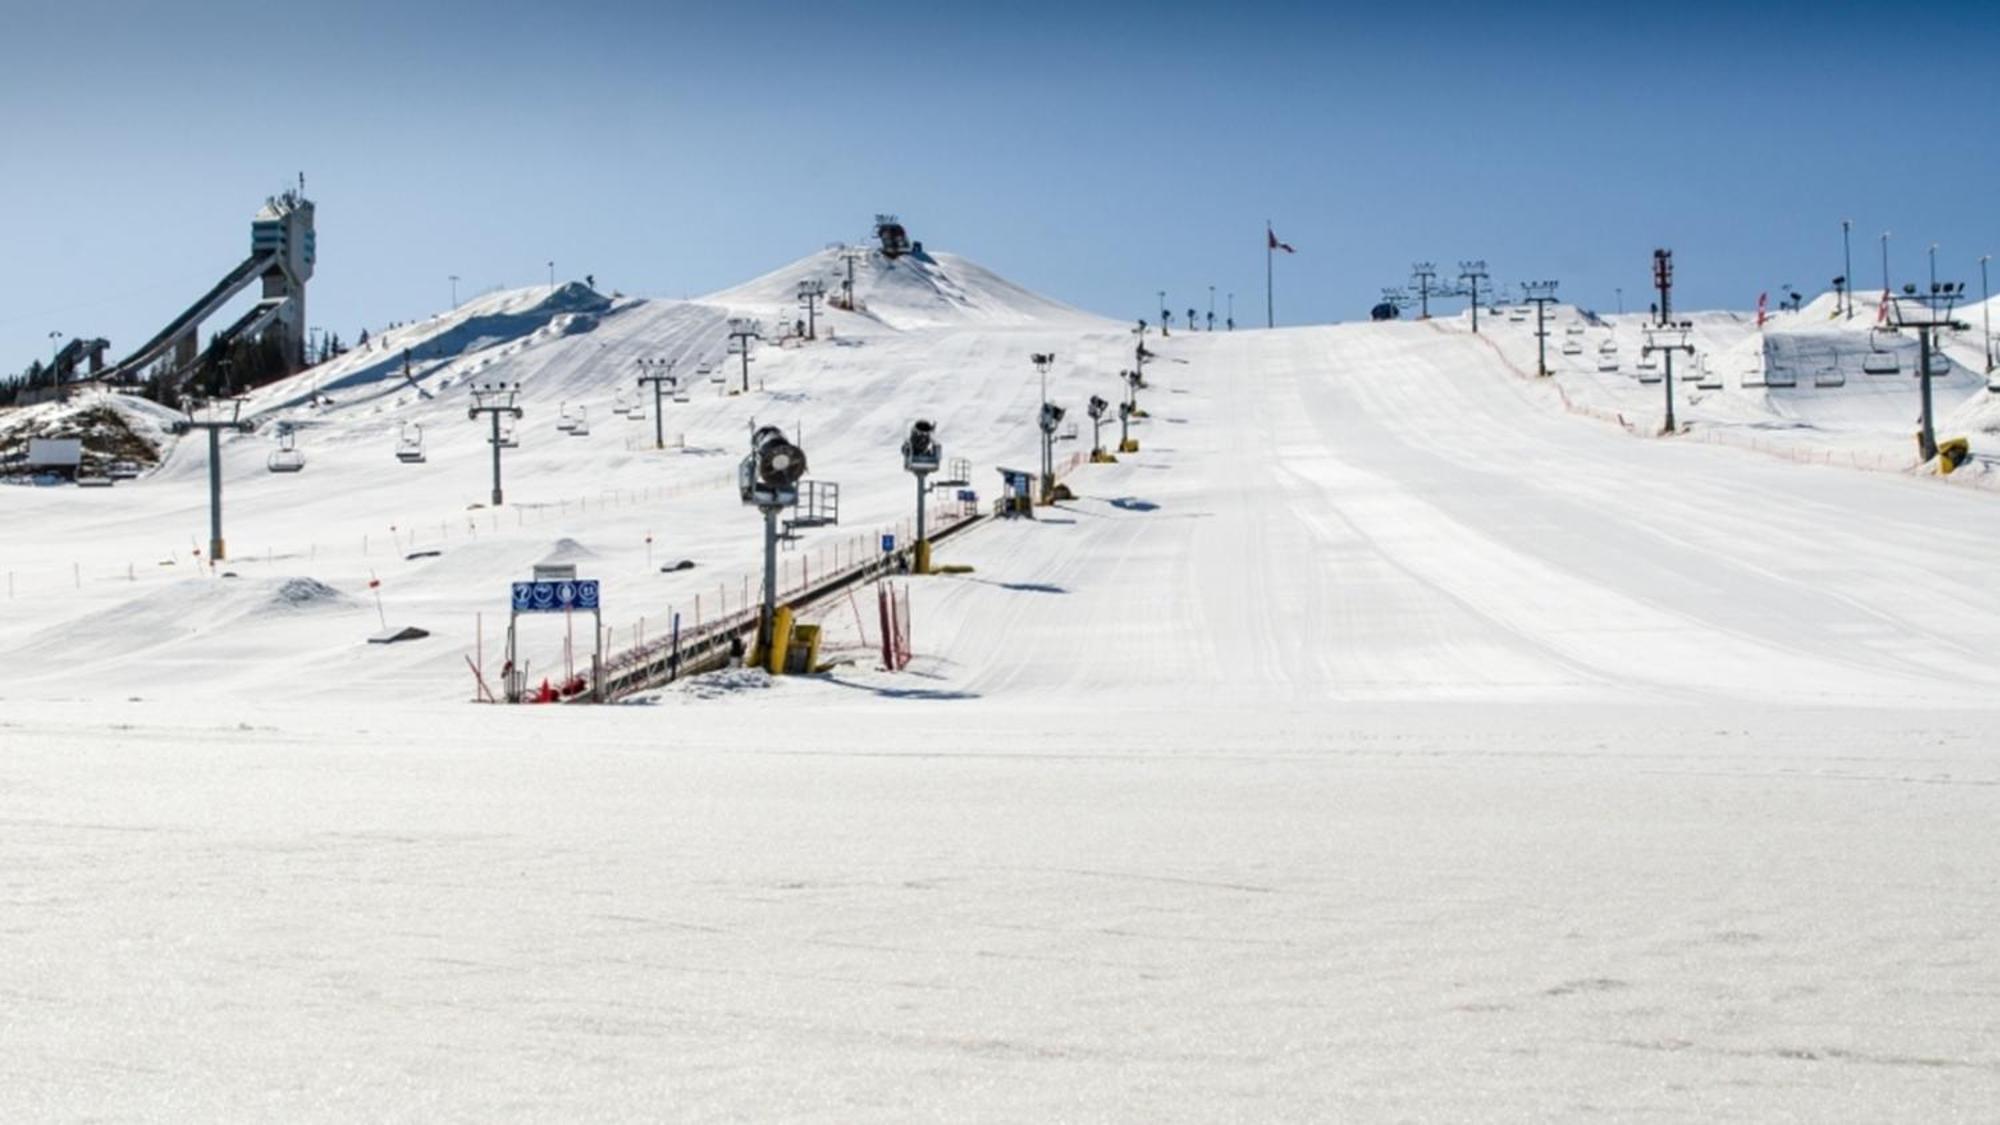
<point x="934" y="290"/>
<point x="305" y="594"/>
<point x="566" y="550"/>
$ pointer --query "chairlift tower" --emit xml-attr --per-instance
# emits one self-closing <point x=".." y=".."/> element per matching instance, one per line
<point x="1472" y="273"/>
<point x="768" y="479"/>
<point x="810" y="293"/>
<point x="495" y="400"/>
<point x="1928" y="313"/>
<point x="1050" y="415"/>
<point x="849" y="255"/>
<point x="1424" y="274"/>
<point x="742" y="330"/>
<point x="921" y="456"/>
<point x="658" y="372"/>
<point x="1541" y="294"/>
<point x="214" y="425"/>
<point x="1669" y="338"/>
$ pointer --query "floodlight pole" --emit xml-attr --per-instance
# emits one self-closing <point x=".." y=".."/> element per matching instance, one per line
<point x="454" y="290"/>
<point x="1542" y="294"/>
<point x="1885" y="264"/>
<point x="1847" y="263"/>
<point x="494" y="401"/>
<point x="1166" y="318"/>
<point x="214" y="426"/>
<point x="1986" y="311"/>
<point x="1663" y="280"/>
<point x="659" y="374"/>
<point x="1424" y="273"/>
<point x="1472" y="273"/>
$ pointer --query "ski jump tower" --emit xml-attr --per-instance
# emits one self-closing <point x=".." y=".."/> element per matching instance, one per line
<point x="283" y="230"/>
<point x="282" y="253"/>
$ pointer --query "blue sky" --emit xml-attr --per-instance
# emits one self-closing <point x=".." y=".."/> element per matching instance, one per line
<point x="1097" y="153"/>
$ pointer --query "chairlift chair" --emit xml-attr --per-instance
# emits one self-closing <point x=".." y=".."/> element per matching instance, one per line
<point x="286" y="458"/>
<point x="410" y="445"/>
<point x="1880" y="360"/>
<point x="507" y="438"/>
<point x="565" y="421"/>
<point x="1572" y="347"/>
<point x="1607" y="361"/>
<point x="1573" y="330"/>
<point x="1830" y="376"/>
<point x="580" y="425"/>
<point x="1706" y="377"/>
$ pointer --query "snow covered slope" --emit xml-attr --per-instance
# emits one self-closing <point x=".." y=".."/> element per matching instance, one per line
<point x="1379" y="741"/>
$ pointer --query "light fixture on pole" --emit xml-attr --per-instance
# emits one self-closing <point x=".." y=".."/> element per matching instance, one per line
<point x="495" y="400"/>
<point x="1928" y="313"/>
<point x="1843" y="287"/>
<point x="1541" y="294"/>
<point x="658" y="372"/>
<point x="1472" y="273"/>
<point x="768" y="479"/>
<point x="1986" y="311"/>
<point x="921" y="457"/>
<point x="213" y="425"/>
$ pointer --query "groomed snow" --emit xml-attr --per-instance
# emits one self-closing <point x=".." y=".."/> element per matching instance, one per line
<point x="1382" y="741"/>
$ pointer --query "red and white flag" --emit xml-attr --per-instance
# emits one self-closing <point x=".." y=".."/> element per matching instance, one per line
<point x="1275" y="244"/>
<point x="1761" y="299"/>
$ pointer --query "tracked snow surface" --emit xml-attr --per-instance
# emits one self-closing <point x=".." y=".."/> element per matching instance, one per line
<point x="1395" y="736"/>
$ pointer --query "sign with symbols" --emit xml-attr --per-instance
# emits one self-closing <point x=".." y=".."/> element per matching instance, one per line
<point x="556" y="597"/>
<point x="967" y="496"/>
<point x="888" y="544"/>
